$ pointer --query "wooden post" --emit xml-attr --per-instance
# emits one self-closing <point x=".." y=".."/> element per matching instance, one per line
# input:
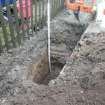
<point x="12" y="33"/>
<point x="19" y="35"/>
<point x="5" y="33"/>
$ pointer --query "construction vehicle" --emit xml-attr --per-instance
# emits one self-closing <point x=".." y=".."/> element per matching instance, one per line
<point x="84" y="5"/>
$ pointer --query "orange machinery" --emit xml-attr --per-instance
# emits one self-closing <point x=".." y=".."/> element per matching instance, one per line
<point x="85" y="5"/>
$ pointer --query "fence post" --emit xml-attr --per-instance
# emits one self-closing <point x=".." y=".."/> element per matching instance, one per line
<point x="62" y="3"/>
<point x="1" y="45"/>
<point x="21" y="17"/>
<point x="17" y="23"/>
<point x="43" y="10"/>
<point x="11" y="29"/>
<point x="36" y="15"/>
<point x="4" y="30"/>
<point x="27" y="4"/>
<point x="32" y="27"/>
<point x="45" y="19"/>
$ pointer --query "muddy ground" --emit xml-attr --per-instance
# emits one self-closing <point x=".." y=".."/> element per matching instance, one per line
<point x="80" y="82"/>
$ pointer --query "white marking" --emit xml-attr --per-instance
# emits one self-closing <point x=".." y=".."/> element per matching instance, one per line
<point x="48" y="16"/>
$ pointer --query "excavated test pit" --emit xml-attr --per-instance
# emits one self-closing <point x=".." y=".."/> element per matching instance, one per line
<point x="62" y="48"/>
<point x="62" y="44"/>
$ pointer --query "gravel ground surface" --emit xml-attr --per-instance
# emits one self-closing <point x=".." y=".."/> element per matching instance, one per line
<point x="81" y="82"/>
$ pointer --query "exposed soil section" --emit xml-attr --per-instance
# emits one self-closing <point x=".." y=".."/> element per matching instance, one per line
<point x="39" y="68"/>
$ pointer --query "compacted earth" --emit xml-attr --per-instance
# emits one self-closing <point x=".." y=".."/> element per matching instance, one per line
<point x="78" y="67"/>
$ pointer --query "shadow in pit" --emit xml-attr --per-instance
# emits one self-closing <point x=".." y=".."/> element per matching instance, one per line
<point x="56" y="67"/>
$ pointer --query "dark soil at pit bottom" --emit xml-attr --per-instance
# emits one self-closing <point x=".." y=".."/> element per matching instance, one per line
<point x="55" y="70"/>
